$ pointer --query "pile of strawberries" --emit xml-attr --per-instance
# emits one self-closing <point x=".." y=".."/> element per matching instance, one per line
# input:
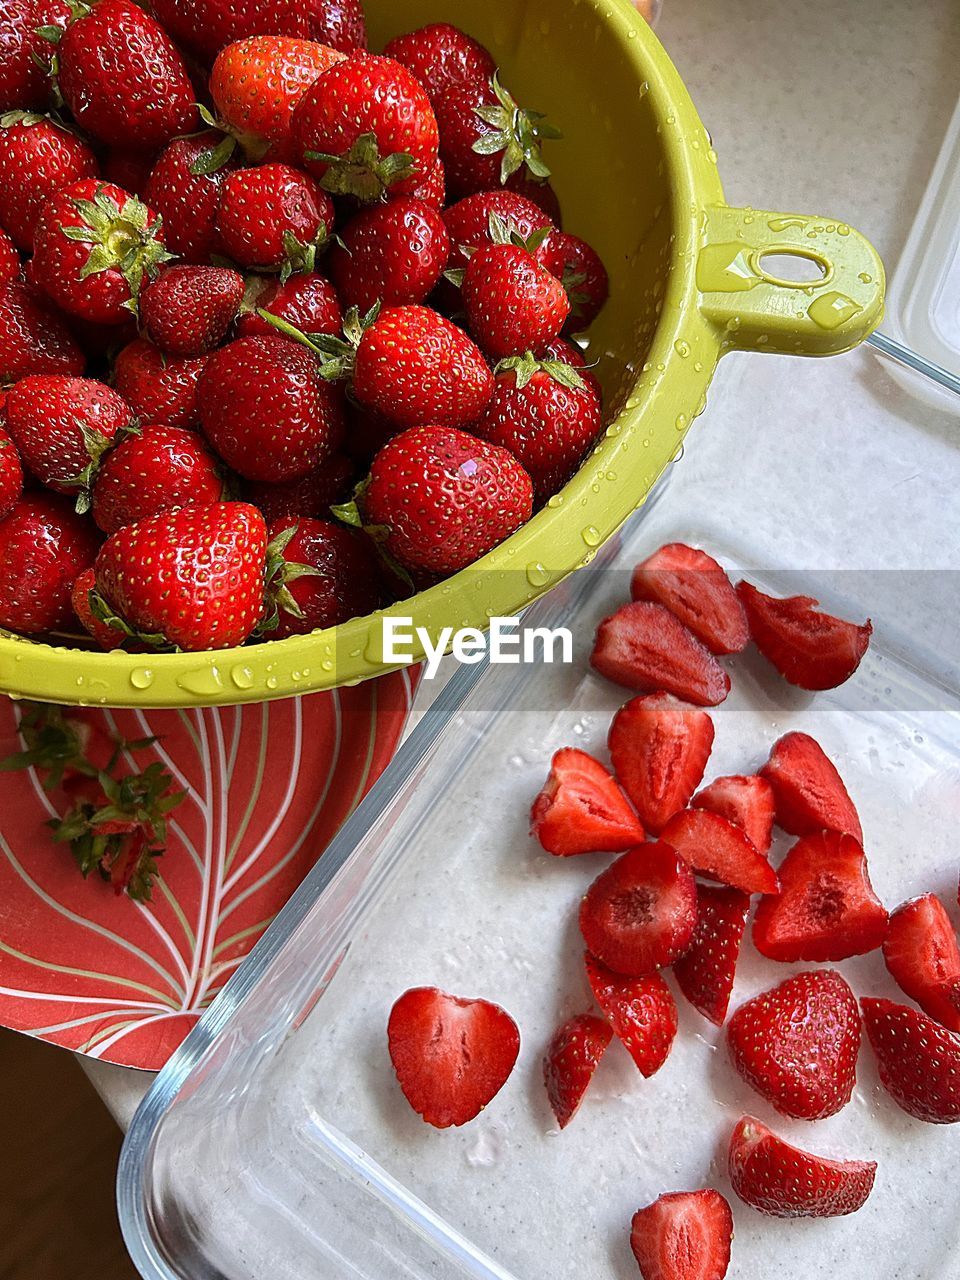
<point x="282" y="321"/>
<point x="681" y="900"/>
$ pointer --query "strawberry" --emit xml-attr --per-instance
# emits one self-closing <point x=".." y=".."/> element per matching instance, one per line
<point x="159" y="388"/>
<point x="267" y="411"/>
<point x="512" y="303"/>
<point x="11" y="474"/>
<point x="365" y="127"/>
<point x="921" y="953"/>
<point x="693" y="586"/>
<point x="639" y="914"/>
<point x="312" y="495"/>
<point x="452" y="1056"/>
<point x="122" y="76"/>
<point x="154" y="469"/>
<point x="810" y="649"/>
<point x="442" y="498"/>
<point x="471" y="222"/>
<point x="918" y="1060"/>
<point x="584" y="277"/>
<point x="274" y="218"/>
<point x="719" y="850"/>
<point x="705" y="972"/>
<point x="442" y="57"/>
<point x="660" y="747"/>
<point x="582" y="810"/>
<point x="107" y="637"/>
<point x="38" y="158"/>
<point x="539" y="191"/>
<point x="684" y="1235"/>
<point x="567" y="352"/>
<point x="319" y="574"/>
<point x="191" y="578"/>
<point x="130" y="170"/>
<point x="29" y="30"/>
<point x="643" y="646"/>
<point x="188" y="310"/>
<point x="33" y="336"/>
<point x="572" y="1057"/>
<point x="827" y="909"/>
<point x="798" y="1044"/>
<point x="308" y="302"/>
<point x="94" y="245"/>
<point x="185" y="188"/>
<point x="44" y="547"/>
<point x="781" y="1180"/>
<point x="746" y="802"/>
<point x="807" y="789"/>
<point x="9" y="259"/>
<point x="431" y="189"/>
<point x="391" y="253"/>
<point x="205" y="26"/>
<point x="641" y="1012"/>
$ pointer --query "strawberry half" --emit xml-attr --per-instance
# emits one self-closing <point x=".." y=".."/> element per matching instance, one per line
<point x="706" y="971"/>
<point x="747" y="802"/>
<point x="641" y="1011"/>
<point x="785" y="1182"/>
<point x="807" y="789"/>
<point x="582" y="810"/>
<point x="640" y="913"/>
<point x="921" y="952"/>
<point x="643" y="646"/>
<point x="659" y="747"/>
<point x="798" y="1044"/>
<point x="683" y="1236"/>
<point x="572" y="1057"/>
<point x="810" y="649"/>
<point x="451" y="1056"/>
<point x="717" y="849"/>
<point x="695" y="588"/>
<point x="918" y="1060"/>
<point x="827" y="909"/>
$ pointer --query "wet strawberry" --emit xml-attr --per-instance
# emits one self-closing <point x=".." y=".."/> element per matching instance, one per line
<point x="205" y="26"/>
<point x="660" y="747"/>
<point x="579" y="269"/>
<point x="9" y="259"/>
<point x="473" y="221"/>
<point x="582" y="810"/>
<point x="107" y="637"/>
<point x="309" y="302"/>
<point x="159" y="388"/>
<point x="683" y="1236"/>
<point x="38" y="158"/>
<point x="152" y="470"/>
<point x="33" y="336"/>
<point x="319" y="574"/>
<point x="391" y="253"/>
<point x="719" y="850"/>
<point x="44" y="547"/>
<point x="567" y="352"/>
<point x="811" y="649"/>
<point x="572" y="1057"/>
<point x="25" y="83"/>
<point x="188" y="310"/>
<point x="785" y="1182"/>
<point x="11" y="473"/>
<point x="442" y="57"/>
<point x="274" y="217"/>
<point x="705" y="972"/>
<point x="808" y="791"/>
<point x="312" y="495"/>
<point x="185" y="188"/>
<point x="641" y="1012"/>
<point x="693" y="586"/>
<point x="922" y="955"/>
<point x="512" y="303"/>
<point x="745" y="801"/>
<point x="643" y="646"/>
<point x="918" y="1060"/>
<point x="431" y="189"/>
<point x="539" y="191"/>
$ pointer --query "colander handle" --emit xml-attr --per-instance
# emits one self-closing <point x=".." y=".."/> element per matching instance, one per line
<point x="747" y="289"/>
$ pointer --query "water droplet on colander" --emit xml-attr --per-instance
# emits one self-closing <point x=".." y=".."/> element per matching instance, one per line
<point x="865" y="278"/>
<point x="698" y="366"/>
<point x="140" y="678"/>
<point x="555" y="501"/>
<point x="591" y="535"/>
<point x="271" y="682"/>
<point x="327" y="664"/>
<point x="242" y="677"/>
<point x="681" y="423"/>
<point x="611" y="476"/>
<point x="203" y="681"/>
<point x="682" y="348"/>
<point x="537" y="575"/>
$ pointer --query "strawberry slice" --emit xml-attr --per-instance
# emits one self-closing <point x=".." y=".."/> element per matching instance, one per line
<point x="572" y="1057"/>
<point x="696" y="590"/>
<point x="827" y="909"/>
<point x="706" y="971"/>
<point x="643" y="646"/>
<point x="807" y="789"/>
<point x="921" y="952"/>
<point x="811" y="649"/>
<point x="640" y="913"/>
<point x="747" y="802"/>
<point x="641" y="1011"/>
<point x="582" y="810"/>
<point x="683" y="1236"/>
<point x="719" y="850"/>
<point x="797" y="1045"/>
<point x="660" y="747"/>
<point x="785" y="1182"/>
<point x="451" y="1056"/>
<point x="918" y="1060"/>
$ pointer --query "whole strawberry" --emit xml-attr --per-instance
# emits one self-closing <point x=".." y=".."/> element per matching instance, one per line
<point x="442" y="57"/>
<point x="513" y="304"/>
<point x="33" y="336"/>
<point x="94" y="246"/>
<point x="25" y="83"/>
<point x="153" y="470"/>
<point x="190" y="578"/>
<point x="11" y="475"/>
<point x="312" y="495"/>
<point x="130" y="170"/>
<point x="391" y="253"/>
<point x="432" y="188"/>
<point x="537" y="190"/>
<point x="81" y="598"/>
<point x="474" y="221"/>
<point x="578" y="267"/>
<point x="123" y="78"/>
<point x="185" y="187"/>
<point x="159" y="388"/>
<point x="441" y="499"/>
<point x="38" y="158"/>
<point x="188" y="310"/>
<point x="307" y="301"/>
<point x="205" y="26"/>
<point x="319" y="574"/>
<point x="44" y="546"/>
<point x="274" y="218"/>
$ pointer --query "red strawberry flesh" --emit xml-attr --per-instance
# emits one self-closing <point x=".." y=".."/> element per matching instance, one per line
<point x="922" y="955"/>
<point x="641" y="1011"/>
<point x="808" y="791"/>
<point x="809" y="648"/>
<point x="719" y="850"/>
<point x="659" y="747"/>
<point x="582" y="810"/>
<point x="693" y="586"/>
<point x="644" y="647"/>
<point x="747" y="802"/>
<point x="685" y="1235"/>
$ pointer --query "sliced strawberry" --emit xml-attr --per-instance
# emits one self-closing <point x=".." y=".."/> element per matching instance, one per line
<point x="719" y="850"/>
<point x="918" y="1060"/>
<point x="747" y="802"/>
<point x="694" y="587"/>
<point x="683" y="1236"/>
<point x="797" y="1045"/>
<point x="572" y="1057"/>
<point x="827" y="909"/>
<point x="807" y="789"/>
<point x="640" y="913"/>
<point x="705" y="973"/>
<point x="921" y="952"/>
<point x="451" y="1055"/>
<point x="643" y="646"/>
<point x="660" y="747"/>
<point x="582" y="810"/>
<point x="785" y="1182"/>
<point x="810" y="649"/>
<point x="641" y="1011"/>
